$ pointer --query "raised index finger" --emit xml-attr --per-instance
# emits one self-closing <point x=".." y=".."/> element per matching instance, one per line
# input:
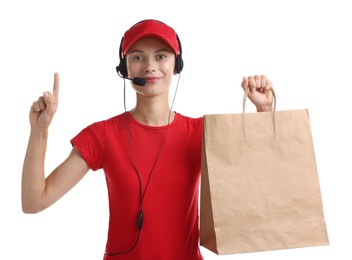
<point x="56" y="86"/>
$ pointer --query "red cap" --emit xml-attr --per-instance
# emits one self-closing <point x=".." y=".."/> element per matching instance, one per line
<point x="150" y="28"/>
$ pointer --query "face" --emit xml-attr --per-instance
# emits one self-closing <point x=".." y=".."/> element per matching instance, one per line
<point x="151" y="59"/>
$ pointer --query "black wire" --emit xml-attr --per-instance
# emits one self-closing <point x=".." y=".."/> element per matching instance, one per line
<point x="141" y="196"/>
<point x="125" y="252"/>
<point x="163" y="142"/>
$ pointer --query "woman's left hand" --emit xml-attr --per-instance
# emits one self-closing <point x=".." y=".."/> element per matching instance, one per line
<point x="259" y="91"/>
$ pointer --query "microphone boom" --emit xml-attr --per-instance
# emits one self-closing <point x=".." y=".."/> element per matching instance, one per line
<point x="138" y="81"/>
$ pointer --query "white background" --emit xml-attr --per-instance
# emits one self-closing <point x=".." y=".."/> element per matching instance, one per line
<point x="304" y="47"/>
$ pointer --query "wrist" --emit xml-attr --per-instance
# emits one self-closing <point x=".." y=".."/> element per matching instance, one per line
<point x="264" y="108"/>
<point x="39" y="133"/>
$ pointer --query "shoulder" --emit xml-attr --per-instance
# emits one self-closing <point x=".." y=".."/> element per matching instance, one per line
<point x="191" y="121"/>
<point x="99" y="129"/>
<point x="107" y="124"/>
<point x="190" y="124"/>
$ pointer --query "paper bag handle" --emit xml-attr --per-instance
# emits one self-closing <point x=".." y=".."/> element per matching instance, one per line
<point x="245" y="95"/>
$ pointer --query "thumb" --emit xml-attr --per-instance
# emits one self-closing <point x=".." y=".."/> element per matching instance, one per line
<point x="49" y="103"/>
<point x="244" y="83"/>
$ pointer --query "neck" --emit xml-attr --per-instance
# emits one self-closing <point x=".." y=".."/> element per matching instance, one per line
<point x="152" y="111"/>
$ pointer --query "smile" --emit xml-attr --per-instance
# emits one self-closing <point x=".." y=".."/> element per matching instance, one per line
<point x="151" y="79"/>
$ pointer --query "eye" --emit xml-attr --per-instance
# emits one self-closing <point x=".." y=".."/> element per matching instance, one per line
<point x="161" y="57"/>
<point x="137" y="57"/>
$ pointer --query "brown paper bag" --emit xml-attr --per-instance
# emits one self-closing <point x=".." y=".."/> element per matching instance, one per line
<point x="259" y="187"/>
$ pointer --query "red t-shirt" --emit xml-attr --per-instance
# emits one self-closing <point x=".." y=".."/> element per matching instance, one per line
<point x="170" y="205"/>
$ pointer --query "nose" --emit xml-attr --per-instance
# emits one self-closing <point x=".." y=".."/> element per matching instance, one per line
<point x="150" y="65"/>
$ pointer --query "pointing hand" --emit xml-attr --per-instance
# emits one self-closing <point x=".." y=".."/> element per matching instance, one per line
<point x="44" y="109"/>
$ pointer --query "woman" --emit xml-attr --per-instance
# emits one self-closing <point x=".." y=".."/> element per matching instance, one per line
<point x="150" y="155"/>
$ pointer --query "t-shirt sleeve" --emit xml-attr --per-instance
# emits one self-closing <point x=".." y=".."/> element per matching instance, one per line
<point x="90" y="143"/>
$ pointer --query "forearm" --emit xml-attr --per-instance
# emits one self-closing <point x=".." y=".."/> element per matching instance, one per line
<point x="33" y="174"/>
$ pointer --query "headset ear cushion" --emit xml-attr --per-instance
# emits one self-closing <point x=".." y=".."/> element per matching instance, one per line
<point x="179" y="64"/>
<point x="122" y="68"/>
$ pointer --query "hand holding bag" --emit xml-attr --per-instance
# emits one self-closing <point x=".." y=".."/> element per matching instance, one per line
<point x="259" y="186"/>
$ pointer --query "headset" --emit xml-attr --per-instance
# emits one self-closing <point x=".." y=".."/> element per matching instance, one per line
<point x="121" y="69"/>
